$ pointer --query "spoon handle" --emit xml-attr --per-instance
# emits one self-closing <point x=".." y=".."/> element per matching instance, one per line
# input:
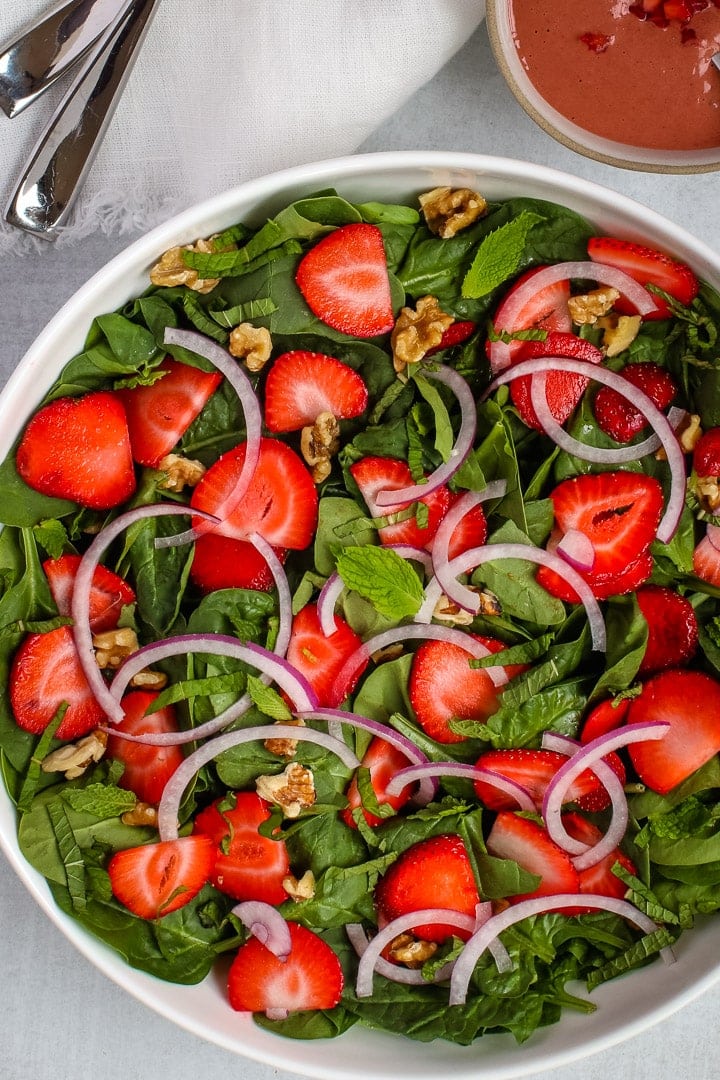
<point x="53" y="177"/>
<point x="31" y="63"/>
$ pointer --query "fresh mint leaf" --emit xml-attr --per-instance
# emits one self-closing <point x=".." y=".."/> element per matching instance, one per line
<point x="383" y="578"/>
<point x="69" y="853"/>
<point x="100" y="800"/>
<point x="267" y="700"/>
<point x="499" y="255"/>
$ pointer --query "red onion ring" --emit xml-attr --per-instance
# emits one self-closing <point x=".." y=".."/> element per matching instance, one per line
<point x="460" y="450"/>
<point x="658" y="420"/>
<point x="470" y="772"/>
<point x="481" y="939"/>
<point x="453" y="589"/>
<point x="577" y="550"/>
<point x="327" y="599"/>
<point x="266" y="924"/>
<point x="168" y="810"/>
<point x="638" y="295"/>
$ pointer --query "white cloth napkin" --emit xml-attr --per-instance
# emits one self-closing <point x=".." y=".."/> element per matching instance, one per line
<point x="227" y="90"/>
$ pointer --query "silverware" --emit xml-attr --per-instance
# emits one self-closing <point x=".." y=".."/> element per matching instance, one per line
<point x="58" y="165"/>
<point x="45" y="51"/>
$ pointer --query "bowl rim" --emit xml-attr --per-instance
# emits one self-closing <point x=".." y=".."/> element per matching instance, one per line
<point x="414" y="170"/>
<point x="570" y="135"/>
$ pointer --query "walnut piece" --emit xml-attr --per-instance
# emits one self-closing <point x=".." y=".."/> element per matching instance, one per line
<point x="74" y="758"/>
<point x="319" y="442"/>
<point x="171" y="269"/>
<point x="292" y="790"/>
<point x="708" y="492"/>
<point x="252" y="344"/>
<point x="286" y="748"/>
<point x="449" y="612"/>
<point x="619" y="332"/>
<point x="142" y="813"/>
<point x="114" y="646"/>
<point x="405" y="949"/>
<point x="587" y="308"/>
<point x="299" y="889"/>
<point x="181" y="472"/>
<point x="448" y="210"/>
<point x="416" y="332"/>
<point x="147" y="679"/>
<point x="688" y="433"/>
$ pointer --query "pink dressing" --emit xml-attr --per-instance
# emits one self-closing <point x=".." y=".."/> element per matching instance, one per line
<point x="622" y="78"/>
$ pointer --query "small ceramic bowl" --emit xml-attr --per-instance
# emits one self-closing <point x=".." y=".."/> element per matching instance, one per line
<point x="514" y="67"/>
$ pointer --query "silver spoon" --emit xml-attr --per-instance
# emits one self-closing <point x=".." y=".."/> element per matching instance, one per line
<point x="32" y="62"/>
<point x="52" y="180"/>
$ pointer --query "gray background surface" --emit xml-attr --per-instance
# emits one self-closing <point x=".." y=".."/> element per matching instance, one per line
<point x="60" y="1018"/>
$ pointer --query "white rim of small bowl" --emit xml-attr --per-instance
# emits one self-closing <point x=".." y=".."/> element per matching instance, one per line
<point x="574" y="137"/>
<point x="378" y="1055"/>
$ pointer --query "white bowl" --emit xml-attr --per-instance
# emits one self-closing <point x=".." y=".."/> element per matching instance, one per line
<point x="626" y="1006"/>
<point x="500" y="30"/>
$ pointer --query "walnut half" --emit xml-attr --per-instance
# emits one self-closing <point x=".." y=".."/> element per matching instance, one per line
<point x="74" y="758"/>
<point x="293" y="790"/>
<point x="416" y="332"/>
<point x="319" y="442"/>
<point x="171" y="269"/>
<point x="448" y="210"/>
<point x="252" y="344"/>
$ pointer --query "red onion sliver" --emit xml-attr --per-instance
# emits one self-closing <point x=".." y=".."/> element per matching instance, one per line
<point x="266" y="924"/>
<point x="453" y="589"/>
<point x="470" y="772"/>
<point x="327" y="599"/>
<point x="658" y="420"/>
<point x="500" y="352"/>
<point x="169" y="807"/>
<point x="461" y="448"/>
<point x="576" y="548"/>
<point x="481" y="939"/>
<point x="283" y="590"/>
<point x="80" y="607"/>
<point x="230" y="368"/>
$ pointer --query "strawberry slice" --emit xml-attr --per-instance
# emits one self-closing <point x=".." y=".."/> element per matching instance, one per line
<point x="649" y="267"/>
<point x="108" y="596"/>
<point x="320" y="658"/>
<point x="244" y="864"/>
<point x="374" y="474"/>
<point x="431" y="873"/>
<point x="344" y="281"/>
<point x="706" y="454"/>
<point x="79" y="449"/>
<point x="383" y="761"/>
<point x="619" y="512"/>
<point x="470" y="531"/>
<point x="147" y="768"/>
<point x="443" y="686"/>
<point x="158" y="415"/>
<point x="310" y="978"/>
<point x="690" y="702"/>
<point x="456" y="334"/>
<point x="280" y="504"/>
<point x="706" y="562"/>
<point x="547" y="309"/>
<point x="46" y="673"/>
<point x="616" y="416"/>
<point x="598" y="879"/>
<point x="529" y="845"/>
<point x="563" y="389"/>
<point x="219" y="562"/>
<point x="534" y="769"/>
<point x="672" y="628"/>
<point x="154" y="879"/>
<point x="301" y="385"/>
<point x="606" y="716"/>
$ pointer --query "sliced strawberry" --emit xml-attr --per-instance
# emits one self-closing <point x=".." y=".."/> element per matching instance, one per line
<point x="533" y="770"/>
<point x="598" y="879"/>
<point x="320" y="658"/>
<point x="443" y="686"/>
<point x="383" y="761"/>
<point x="649" y="267"/>
<point x="158" y="415"/>
<point x="706" y="562"/>
<point x="374" y="474"/>
<point x="280" y="504"/>
<point x="147" y="768"/>
<point x="619" y="512"/>
<point x="529" y="845"/>
<point x="470" y="531"/>
<point x="79" y="449"/>
<point x="432" y="873"/>
<point x="690" y="702"/>
<point x="344" y="281"/>
<point x="563" y="390"/>
<point x="615" y="414"/>
<point x="301" y="385"/>
<point x="706" y="455"/>
<point x="672" y="628"/>
<point x="46" y="673"/>
<point x="108" y="596"/>
<point x="456" y="334"/>
<point x="547" y="309"/>
<point x="310" y="978"/>
<point x="606" y="716"/>
<point x="244" y="864"/>
<point x="219" y="562"/>
<point x="154" y="879"/>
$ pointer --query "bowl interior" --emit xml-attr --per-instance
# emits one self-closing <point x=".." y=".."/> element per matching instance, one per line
<point x="625" y="1006"/>
<point x="500" y="30"/>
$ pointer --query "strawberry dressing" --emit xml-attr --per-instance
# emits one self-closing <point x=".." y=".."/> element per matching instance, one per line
<point x="620" y="77"/>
